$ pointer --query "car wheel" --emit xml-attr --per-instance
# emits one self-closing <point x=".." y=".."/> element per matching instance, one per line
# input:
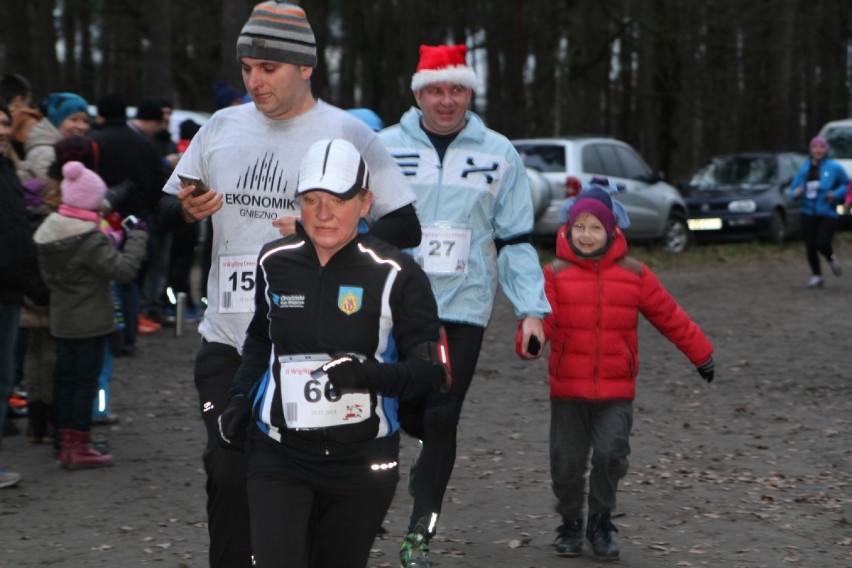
<point x="676" y="238"/>
<point x="777" y="232"/>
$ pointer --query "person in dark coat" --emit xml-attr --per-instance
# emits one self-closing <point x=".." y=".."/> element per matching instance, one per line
<point x="126" y="154"/>
<point x="18" y="271"/>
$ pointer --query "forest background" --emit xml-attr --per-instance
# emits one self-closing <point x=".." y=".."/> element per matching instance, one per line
<point x="679" y="79"/>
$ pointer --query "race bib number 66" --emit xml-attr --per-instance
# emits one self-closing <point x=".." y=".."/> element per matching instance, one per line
<point x="310" y="401"/>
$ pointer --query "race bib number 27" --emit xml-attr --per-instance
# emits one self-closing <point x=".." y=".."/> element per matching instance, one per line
<point x="444" y="249"/>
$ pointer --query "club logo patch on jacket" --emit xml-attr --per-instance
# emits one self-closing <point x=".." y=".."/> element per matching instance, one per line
<point x="286" y="300"/>
<point x="349" y="299"/>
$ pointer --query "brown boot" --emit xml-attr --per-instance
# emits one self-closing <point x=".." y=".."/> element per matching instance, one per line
<point x="81" y="455"/>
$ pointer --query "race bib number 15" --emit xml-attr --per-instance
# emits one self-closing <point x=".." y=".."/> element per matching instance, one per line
<point x="236" y="283"/>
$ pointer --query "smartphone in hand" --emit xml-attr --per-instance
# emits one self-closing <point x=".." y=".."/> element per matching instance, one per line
<point x="534" y="345"/>
<point x="200" y="187"/>
<point x="129" y="223"/>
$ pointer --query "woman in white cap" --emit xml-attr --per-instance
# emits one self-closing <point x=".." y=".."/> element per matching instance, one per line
<point x="344" y="325"/>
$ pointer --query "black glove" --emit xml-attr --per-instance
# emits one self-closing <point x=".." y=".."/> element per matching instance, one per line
<point x="119" y="194"/>
<point x="346" y="373"/>
<point x="706" y="370"/>
<point x="233" y="424"/>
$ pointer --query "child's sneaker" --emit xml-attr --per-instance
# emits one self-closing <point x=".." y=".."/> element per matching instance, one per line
<point x="815" y="282"/>
<point x="569" y="540"/>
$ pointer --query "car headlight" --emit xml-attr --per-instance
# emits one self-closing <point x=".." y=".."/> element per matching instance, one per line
<point x="742" y="206"/>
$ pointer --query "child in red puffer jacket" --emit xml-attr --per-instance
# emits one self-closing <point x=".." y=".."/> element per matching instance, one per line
<point x="597" y="293"/>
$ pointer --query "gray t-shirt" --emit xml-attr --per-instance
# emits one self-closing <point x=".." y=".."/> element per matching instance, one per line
<point x="254" y="162"/>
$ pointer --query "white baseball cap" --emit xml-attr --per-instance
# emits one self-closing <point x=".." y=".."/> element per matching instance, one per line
<point x="334" y="166"/>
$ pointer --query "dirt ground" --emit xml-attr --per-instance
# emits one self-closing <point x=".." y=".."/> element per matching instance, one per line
<point x="754" y="470"/>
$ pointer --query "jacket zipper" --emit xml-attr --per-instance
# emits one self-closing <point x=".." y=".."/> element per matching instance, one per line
<point x="597" y="331"/>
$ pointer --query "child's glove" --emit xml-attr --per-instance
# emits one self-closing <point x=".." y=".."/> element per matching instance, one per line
<point x="706" y="370"/>
<point x="233" y="424"/>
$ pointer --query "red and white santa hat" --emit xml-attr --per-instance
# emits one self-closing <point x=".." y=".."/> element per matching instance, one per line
<point x="443" y="63"/>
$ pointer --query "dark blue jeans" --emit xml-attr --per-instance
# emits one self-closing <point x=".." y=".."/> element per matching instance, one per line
<point x="156" y="272"/>
<point x="10" y="317"/>
<point x="129" y="296"/>
<point x="79" y="363"/>
<point x="576" y="426"/>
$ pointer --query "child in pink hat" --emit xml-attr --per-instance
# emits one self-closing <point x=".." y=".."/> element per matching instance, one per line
<point x="79" y="262"/>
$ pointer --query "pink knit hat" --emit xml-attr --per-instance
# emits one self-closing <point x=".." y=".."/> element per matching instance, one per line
<point x="818" y="140"/>
<point x="81" y="187"/>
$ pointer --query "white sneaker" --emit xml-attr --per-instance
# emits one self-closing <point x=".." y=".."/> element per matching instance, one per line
<point x="815" y="282"/>
<point x="8" y="478"/>
<point x="835" y="266"/>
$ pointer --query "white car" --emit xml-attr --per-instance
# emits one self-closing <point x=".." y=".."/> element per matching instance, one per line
<point x="838" y="134"/>
<point x="657" y="211"/>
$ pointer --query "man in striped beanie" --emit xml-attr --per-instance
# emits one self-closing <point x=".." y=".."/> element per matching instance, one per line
<point x="249" y="157"/>
<point x="278" y="31"/>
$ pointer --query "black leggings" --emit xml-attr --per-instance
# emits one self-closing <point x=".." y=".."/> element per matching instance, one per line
<point x="818" y="233"/>
<point x="318" y="511"/>
<point x="435" y="420"/>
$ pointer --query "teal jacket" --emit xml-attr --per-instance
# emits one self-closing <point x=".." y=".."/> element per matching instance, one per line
<point x="832" y="179"/>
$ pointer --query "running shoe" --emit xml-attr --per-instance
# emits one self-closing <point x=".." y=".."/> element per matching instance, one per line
<point x="835" y="266"/>
<point x="8" y="478"/>
<point x="147" y="326"/>
<point x="415" y="551"/>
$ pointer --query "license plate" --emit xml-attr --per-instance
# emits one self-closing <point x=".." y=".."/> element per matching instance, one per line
<point x="704" y="224"/>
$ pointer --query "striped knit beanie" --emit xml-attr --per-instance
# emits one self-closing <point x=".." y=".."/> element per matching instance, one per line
<point x="278" y="31"/>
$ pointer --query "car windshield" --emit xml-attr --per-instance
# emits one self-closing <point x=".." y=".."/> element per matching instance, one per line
<point x="743" y="171"/>
<point x="839" y="142"/>
<point x="545" y="158"/>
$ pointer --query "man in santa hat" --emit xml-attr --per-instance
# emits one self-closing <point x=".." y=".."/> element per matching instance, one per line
<point x="475" y="210"/>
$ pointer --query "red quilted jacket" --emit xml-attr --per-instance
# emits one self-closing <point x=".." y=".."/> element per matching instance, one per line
<point x="593" y="328"/>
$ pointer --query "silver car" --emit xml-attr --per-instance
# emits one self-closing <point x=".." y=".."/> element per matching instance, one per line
<point x="656" y="209"/>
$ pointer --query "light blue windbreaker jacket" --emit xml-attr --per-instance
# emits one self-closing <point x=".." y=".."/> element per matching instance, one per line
<point x="832" y="178"/>
<point x="482" y="184"/>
